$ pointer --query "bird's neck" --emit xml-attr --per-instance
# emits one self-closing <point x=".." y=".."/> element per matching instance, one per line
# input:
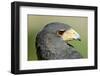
<point x="55" y="43"/>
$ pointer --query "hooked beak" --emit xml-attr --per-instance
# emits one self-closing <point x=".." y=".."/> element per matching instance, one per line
<point x="70" y="35"/>
<point x="77" y="37"/>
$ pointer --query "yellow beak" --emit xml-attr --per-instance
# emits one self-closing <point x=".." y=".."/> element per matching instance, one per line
<point x="70" y="35"/>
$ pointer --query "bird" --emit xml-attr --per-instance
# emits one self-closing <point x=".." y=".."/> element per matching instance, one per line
<point x="52" y="42"/>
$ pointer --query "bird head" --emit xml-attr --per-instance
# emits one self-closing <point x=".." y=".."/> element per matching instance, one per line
<point x="51" y="42"/>
<point x="63" y="31"/>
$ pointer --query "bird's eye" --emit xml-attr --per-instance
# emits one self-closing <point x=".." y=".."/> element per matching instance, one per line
<point x="60" y="32"/>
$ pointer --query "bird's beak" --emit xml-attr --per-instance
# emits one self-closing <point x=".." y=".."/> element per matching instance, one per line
<point x="70" y="35"/>
<point x="77" y="37"/>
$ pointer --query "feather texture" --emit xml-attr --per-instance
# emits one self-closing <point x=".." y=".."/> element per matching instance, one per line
<point x="50" y="46"/>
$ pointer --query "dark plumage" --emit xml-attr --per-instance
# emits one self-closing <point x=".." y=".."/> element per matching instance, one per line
<point x="51" y="46"/>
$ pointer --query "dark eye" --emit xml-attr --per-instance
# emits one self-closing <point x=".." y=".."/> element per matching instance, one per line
<point x="61" y="32"/>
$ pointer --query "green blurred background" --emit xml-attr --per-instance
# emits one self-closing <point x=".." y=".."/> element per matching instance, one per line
<point x="37" y="22"/>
